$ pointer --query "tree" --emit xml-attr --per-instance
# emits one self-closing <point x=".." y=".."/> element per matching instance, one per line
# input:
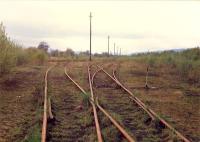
<point x="85" y="53"/>
<point x="44" y="46"/>
<point x="55" y="53"/>
<point x="70" y="52"/>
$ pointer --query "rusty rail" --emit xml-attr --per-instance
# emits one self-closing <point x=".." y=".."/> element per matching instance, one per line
<point x="103" y="110"/>
<point x="44" y="124"/>
<point x="122" y="130"/>
<point x="99" y="137"/>
<point x="93" y="76"/>
<point x="133" y="98"/>
<point x="151" y="113"/>
<point x="74" y="82"/>
<point x="156" y="115"/>
<point x="94" y="109"/>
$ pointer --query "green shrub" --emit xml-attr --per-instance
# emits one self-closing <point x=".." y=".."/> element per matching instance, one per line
<point x="184" y="67"/>
<point x="186" y="62"/>
<point x="7" y="54"/>
<point x="12" y="54"/>
<point x="86" y="100"/>
<point x="21" y="56"/>
<point x="36" y="56"/>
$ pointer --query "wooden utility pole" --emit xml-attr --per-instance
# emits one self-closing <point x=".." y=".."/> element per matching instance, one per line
<point x="90" y="35"/>
<point x="108" y="45"/>
<point x="117" y="50"/>
<point x="120" y="53"/>
<point x="114" y="50"/>
<point x="146" y="84"/>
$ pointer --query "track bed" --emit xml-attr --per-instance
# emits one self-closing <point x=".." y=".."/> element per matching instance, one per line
<point x="109" y="132"/>
<point x="73" y="121"/>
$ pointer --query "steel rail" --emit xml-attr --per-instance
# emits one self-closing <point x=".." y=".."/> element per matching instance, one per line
<point x="74" y="82"/>
<point x="120" y="128"/>
<point x="113" y="121"/>
<point x="93" y="76"/>
<point x="133" y="97"/>
<point x="99" y="137"/>
<point x="148" y="110"/>
<point x="94" y="108"/>
<point x="155" y="114"/>
<point x="123" y="87"/>
<point x="44" y="123"/>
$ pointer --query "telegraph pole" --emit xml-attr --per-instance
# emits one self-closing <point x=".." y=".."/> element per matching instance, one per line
<point x="90" y="35"/>
<point x="117" y="50"/>
<point x="120" y="52"/>
<point x="114" y="50"/>
<point x="108" y="45"/>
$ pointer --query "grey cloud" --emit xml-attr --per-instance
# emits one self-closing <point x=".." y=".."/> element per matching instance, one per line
<point x="42" y="31"/>
<point x="49" y="32"/>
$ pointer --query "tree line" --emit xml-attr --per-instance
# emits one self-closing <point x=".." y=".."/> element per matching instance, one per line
<point x="12" y="54"/>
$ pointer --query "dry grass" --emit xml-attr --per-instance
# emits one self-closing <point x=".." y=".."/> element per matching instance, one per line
<point x="73" y="115"/>
<point x="20" y="102"/>
<point x="177" y="101"/>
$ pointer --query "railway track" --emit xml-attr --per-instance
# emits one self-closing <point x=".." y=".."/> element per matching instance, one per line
<point x="115" y="123"/>
<point x="44" y="123"/>
<point x="72" y="122"/>
<point x="61" y="121"/>
<point x="100" y="112"/>
<point x="121" y="135"/>
<point x="121" y="119"/>
<point x="155" y="117"/>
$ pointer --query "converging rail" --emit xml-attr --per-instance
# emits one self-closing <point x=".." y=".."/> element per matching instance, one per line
<point x="122" y="130"/>
<point x="99" y="137"/>
<point x="150" y="112"/>
<point x="92" y="101"/>
<point x="94" y="108"/>
<point x="44" y="123"/>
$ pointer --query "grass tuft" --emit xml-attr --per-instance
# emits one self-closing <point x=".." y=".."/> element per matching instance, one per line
<point x="85" y="99"/>
<point x="34" y="135"/>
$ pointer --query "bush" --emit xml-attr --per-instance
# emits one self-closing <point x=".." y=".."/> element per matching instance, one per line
<point x="12" y="54"/>
<point x="186" y="62"/>
<point x="21" y="56"/>
<point x="7" y="54"/>
<point x="151" y="61"/>
<point x="184" y="67"/>
<point x="36" y="56"/>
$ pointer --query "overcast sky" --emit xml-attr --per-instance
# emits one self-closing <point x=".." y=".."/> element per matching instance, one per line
<point x="134" y="26"/>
